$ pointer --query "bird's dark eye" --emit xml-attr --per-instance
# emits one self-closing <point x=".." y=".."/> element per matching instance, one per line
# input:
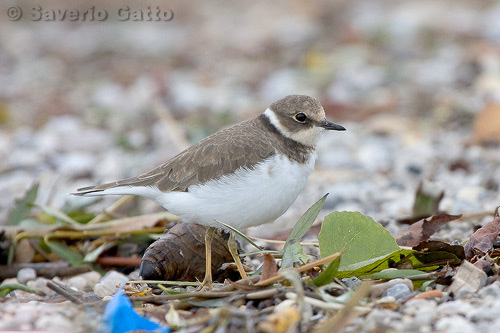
<point x="300" y="117"/>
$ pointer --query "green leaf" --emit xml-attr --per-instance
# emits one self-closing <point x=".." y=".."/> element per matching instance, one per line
<point x="23" y="206"/>
<point x="293" y="254"/>
<point x="61" y="216"/>
<point x="328" y="275"/>
<point x="64" y="252"/>
<point x="402" y="259"/>
<point x="292" y="251"/>
<point x="427" y="200"/>
<point x="390" y="274"/>
<point x="363" y="240"/>
<point x="7" y="288"/>
<point x="93" y="255"/>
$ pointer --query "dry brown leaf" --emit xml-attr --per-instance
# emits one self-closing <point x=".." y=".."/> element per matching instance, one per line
<point x="487" y="125"/>
<point x="482" y="240"/>
<point x="24" y="252"/>
<point x="432" y="245"/>
<point x="269" y="267"/>
<point x="280" y="321"/>
<point x="180" y="255"/>
<point x="423" y="229"/>
<point x="468" y="277"/>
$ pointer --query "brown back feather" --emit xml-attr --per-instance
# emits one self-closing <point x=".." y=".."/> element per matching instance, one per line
<point x="215" y="156"/>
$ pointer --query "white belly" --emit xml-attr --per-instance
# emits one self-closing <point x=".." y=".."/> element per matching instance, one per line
<point x="244" y="199"/>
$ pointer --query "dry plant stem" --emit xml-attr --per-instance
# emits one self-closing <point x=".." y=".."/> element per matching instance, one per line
<point x="45" y="269"/>
<point x="325" y="305"/>
<point x="108" y="212"/>
<point x="233" y="249"/>
<point x="272" y="241"/>
<point x="86" y="233"/>
<point x="300" y="269"/>
<point x="341" y="319"/>
<point x="197" y="294"/>
<point x="63" y="292"/>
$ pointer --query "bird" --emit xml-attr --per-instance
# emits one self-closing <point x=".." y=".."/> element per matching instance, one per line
<point x="245" y="175"/>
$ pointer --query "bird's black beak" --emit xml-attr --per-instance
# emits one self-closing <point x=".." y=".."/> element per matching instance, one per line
<point x="328" y="125"/>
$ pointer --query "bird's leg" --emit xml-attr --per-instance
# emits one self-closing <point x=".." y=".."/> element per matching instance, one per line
<point x="233" y="249"/>
<point x="207" y="281"/>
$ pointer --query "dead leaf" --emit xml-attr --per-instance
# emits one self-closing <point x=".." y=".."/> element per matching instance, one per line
<point x="423" y="229"/>
<point x="468" y="277"/>
<point x="269" y="267"/>
<point x="432" y="246"/>
<point x="180" y="255"/>
<point x="487" y="124"/>
<point x="24" y="252"/>
<point x="280" y="321"/>
<point x="482" y="240"/>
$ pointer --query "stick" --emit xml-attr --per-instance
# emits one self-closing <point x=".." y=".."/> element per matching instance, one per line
<point x="300" y="269"/>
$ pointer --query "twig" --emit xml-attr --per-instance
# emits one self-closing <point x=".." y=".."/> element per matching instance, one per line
<point x="272" y="241"/>
<point x="197" y="294"/>
<point x="60" y="290"/>
<point x="300" y="269"/>
<point x="111" y="209"/>
<point x="119" y="261"/>
<point x="45" y="269"/>
<point x="327" y="305"/>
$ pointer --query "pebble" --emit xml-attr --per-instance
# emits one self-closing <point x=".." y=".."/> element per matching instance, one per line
<point x="398" y="291"/>
<point x="457" y="307"/>
<point x="488" y="311"/>
<point x="352" y="282"/>
<point x="109" y="284"/>
<point x="41" y="284"/>
<point x="26" y="274"/>
<point x="383" y="320"/>
<point x="490" y="291"/>
<point x="379" y="289"/>
<point x="85" y="281"/>
<point x="454" y="324"/>
<point x="417" y="306"/>
<point x="77" y="283"/>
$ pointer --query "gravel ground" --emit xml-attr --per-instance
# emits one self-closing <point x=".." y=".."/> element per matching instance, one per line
<point x="416" y="83"/>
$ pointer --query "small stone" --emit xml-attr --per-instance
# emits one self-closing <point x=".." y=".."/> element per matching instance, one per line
<point x="397" y="291"/>
<point x="26" y="274"/>
<point x="41" y="284"/>
<point x="378" y="289"/>
<point x="465" y="294"/>
<point x="382" y="321"/>
<point x="90" y="297"/>
<point x="493" y="290"/>
<point x="454" y="324"/>
<point x="417" y="306"/>
<point x="109" y="284"/>
<point x="102" y="290"/>
<point x="489" y="311"/>
<point x="77" y="282"/>
<point x="455" y="308"/>
<point x="54" y="322"/>
<point x="352" y="282"/>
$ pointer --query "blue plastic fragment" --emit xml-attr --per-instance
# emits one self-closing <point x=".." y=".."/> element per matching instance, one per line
<point x="120" y="317"/>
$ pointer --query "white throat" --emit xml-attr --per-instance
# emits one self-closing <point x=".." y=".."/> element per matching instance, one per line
<point x="308" y="137"/>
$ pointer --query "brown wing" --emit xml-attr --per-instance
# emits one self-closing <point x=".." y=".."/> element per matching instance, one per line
<point x="242" y="145"/>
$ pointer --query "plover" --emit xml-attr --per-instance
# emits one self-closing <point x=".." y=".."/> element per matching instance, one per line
<point x="245" y="175"/>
